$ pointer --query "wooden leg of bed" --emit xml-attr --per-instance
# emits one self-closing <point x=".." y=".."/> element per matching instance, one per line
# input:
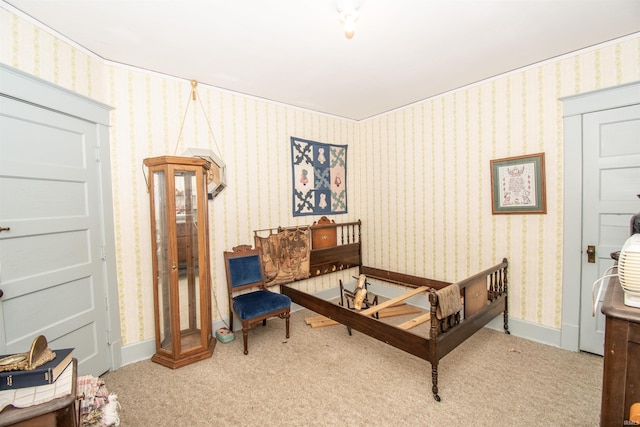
<point x="434" y="382"/>
<point x="506" y="320"/>
<point x="287" y="324"/>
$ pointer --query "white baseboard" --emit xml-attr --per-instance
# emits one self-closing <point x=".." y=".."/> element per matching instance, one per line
<point x="531" y="331"/>
<point x="138" y="351"/>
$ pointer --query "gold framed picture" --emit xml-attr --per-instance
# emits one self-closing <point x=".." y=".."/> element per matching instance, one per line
<point x="518" y="185"/>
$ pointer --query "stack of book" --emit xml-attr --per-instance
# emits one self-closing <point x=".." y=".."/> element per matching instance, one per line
<point x="44" y="374"/>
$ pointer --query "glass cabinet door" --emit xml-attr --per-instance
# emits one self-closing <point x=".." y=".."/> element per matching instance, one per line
<point x="163" y="257"/>
<point x="186" y="201"/>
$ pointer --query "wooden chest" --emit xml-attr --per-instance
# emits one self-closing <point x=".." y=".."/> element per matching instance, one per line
<point x="323" y="237"/>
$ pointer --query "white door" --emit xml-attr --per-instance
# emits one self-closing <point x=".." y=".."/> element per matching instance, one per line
<point x="611" y="183"/>
<point x="51" y="271"/>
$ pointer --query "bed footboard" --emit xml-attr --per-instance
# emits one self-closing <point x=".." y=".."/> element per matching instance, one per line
<point x="484" y="298"/>
<point x="484" y="294"/>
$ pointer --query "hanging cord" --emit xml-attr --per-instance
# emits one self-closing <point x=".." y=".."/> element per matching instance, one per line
<point x="207" y="119"/>
<point x="194" y="96"/>
<point x="596" y="299"/>
<point x="215" y="297"/>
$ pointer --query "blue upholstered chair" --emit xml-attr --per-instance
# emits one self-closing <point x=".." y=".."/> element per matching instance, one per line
<point x="248" y="297"/>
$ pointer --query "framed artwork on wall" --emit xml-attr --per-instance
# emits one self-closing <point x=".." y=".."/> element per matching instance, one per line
<point x="518" y="185"/>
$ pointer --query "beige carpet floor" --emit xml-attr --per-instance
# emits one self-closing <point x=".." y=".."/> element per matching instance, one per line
<point x="324" y="377"/>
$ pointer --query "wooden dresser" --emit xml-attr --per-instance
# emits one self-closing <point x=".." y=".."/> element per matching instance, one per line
<point x="621" y="371"/>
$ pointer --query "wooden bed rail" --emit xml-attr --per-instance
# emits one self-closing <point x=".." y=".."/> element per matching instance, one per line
<point x="401" y="278"/>
<point x="349" y="231"/>
<point x="497" y="277"/>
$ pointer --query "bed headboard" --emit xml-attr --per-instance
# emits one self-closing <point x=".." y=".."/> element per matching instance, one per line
<point x="345" y="253"/>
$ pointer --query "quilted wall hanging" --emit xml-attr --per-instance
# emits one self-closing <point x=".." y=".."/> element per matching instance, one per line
<point x="319" y="177"/>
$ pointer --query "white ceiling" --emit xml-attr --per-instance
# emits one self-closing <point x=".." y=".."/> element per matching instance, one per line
<point x="295" y="52"/>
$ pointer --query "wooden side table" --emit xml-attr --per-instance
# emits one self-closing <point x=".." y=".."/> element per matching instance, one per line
<point x="621" y="370"/>
<point x="60" y="412"/>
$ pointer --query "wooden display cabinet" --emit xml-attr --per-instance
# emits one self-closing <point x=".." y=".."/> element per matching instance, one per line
<point x="180" y="262"/>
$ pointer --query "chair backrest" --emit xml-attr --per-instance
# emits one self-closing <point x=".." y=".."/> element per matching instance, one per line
<point x="244" y="269"/>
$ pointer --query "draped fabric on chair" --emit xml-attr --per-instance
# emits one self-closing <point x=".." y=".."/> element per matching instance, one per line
<point x="285" y="254"/>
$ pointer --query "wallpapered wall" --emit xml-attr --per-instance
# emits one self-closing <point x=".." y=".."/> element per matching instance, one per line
<point x="437" y="180"/>
<point x="418" y="177"/>
<point x="251" y="136"/>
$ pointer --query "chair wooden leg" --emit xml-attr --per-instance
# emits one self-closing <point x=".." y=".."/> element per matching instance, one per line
<point x="245" y="338"/>
<point x="287" y="323"/>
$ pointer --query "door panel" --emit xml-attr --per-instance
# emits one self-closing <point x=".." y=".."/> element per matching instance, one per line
<point x="51" y="259"/>
<point x="611" y="181"/>
<point x="27" y="198"/>
<point x="45" y="144"/>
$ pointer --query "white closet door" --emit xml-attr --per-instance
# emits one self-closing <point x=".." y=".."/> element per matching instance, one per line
<point x="51" y="271"/>
<point x="611" y="182"/>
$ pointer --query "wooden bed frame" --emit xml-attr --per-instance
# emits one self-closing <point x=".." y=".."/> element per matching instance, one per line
<point x="484" y="297"/>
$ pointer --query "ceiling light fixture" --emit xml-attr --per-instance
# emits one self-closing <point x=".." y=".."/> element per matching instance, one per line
<point x="348" y="18"/>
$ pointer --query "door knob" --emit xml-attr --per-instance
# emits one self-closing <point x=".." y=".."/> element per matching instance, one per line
<point x="591" y="254"/>
<point x="4" y="229"/>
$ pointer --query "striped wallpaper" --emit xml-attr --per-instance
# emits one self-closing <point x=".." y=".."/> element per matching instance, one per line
<point x="419" y="177"/>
